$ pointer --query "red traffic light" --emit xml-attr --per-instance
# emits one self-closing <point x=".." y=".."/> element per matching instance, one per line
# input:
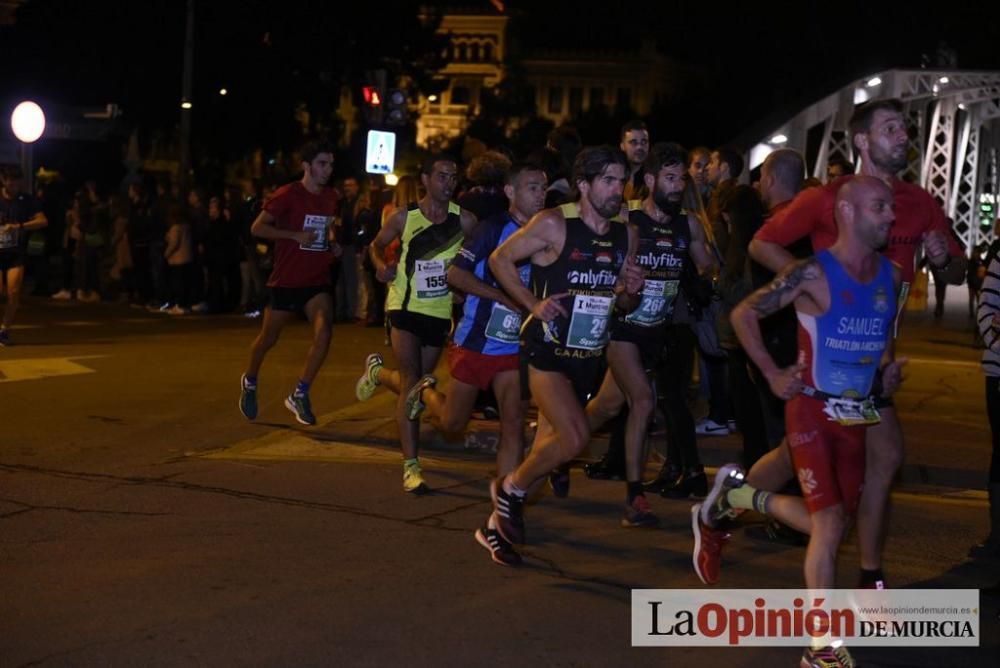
<point x="371" y="96"/>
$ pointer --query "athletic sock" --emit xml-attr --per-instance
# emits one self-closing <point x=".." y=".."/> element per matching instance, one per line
<point x="748" y="498"/>
<point x="410" y="462"/>
<point x="634" y="489"/>
<point x="302" y="387"/>
<point x="511" y="488"/>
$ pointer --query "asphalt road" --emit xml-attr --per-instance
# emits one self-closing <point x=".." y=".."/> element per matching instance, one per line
<point x="143" y="521"/>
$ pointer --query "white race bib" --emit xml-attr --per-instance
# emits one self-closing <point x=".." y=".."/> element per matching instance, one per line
<point x="431" y="278"/>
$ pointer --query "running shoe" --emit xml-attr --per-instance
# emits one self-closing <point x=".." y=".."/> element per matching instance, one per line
<point x="365" y="387"/>
<point x="501" y="551"/>
<point x="668" y="477"/>
<point x="709" y="427"/>
<point x="4" y="338"/>
<point x="707" y="555"/>
<point x="413" y="479"/>
<point x="639" y="513"/>
<point x="414" y="405"/>
<point x="248" y="399"/>
<point x="559" y="482"/>
<point x="716" y="505"/>
<point x="508" y="513"/>
<point x="299" y="405"/>
<point x="831" y="656"/>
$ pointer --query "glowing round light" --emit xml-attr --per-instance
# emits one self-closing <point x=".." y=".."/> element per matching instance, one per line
<point x="391" y="179"/>
<point x="27" y="122"/>
<point x="779" y="139"/>
<point x="223" y="91"/>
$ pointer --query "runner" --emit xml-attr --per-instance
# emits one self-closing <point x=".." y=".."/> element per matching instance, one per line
<point x="297" y="217"/>
<point x="878" y="131"/>
<point x="845" y="300"/>
<point x="582" y="266"/>
<point x="20" y="215"/>
<point x="419" y="302"/>
<point x="484" y="352"/>
<point x="666" y="240"/>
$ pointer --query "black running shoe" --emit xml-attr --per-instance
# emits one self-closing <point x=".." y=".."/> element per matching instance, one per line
<point x="508" y="513"/>
<point x="559" y="482"/>
<point x="501" y="551"/>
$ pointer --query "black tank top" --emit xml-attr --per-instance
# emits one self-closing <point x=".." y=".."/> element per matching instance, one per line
<point x="587" y="268"/>
<point x="662" y="253"/>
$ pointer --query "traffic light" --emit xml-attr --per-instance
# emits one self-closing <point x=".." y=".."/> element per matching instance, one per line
<point x="372" y="109"/>
<point x="396" y="110"/>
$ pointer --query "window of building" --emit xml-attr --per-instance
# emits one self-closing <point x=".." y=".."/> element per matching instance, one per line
<point x="463" y="53"/>
<point x="575" y="100"/>
<point x="474" y="53"/>
<point x="488" y="52"/>
<point x="596" y="98"/>
<point x="624" y="99"/>
<point x="531" y="97"/>
<point x="555" y="99"/>
<point x="460" y="95"/>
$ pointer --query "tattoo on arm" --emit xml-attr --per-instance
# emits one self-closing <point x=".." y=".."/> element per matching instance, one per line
<point x="780" y="292"/>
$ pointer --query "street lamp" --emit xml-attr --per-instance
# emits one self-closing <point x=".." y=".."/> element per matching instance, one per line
<point x="28" y="124"/>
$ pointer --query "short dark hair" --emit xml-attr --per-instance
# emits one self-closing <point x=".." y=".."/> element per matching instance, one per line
<point x="845" y="165"/>
<point x="593" y="160"/>
<point x="427" y="166"/>
<point x="664" y="154"/>
<point x="731" y="157"/>
<point x="787" y="167"/>
<point x="861" y="119"/>
<point x="634" y="124"/>
<point x="310" y="150"/>
<point x="522" y="166"/>
<point x="699" y="150"/>
<point x="488" y="169"/>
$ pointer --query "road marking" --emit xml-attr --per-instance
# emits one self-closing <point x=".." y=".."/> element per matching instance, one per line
<point x="43" y="367"/>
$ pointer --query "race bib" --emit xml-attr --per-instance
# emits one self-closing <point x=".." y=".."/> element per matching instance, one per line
<point x="318" y="226"/>
<point x="504" y="325"/>
<point x="8" y="239"/>
<point x="432" y="281"/>
<point x="851" y="412"/>
<point x="657" y="296"/>
<point x="588" y="325"/>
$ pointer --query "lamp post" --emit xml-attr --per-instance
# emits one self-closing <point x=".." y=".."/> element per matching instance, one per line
<point x="28" y="124"/>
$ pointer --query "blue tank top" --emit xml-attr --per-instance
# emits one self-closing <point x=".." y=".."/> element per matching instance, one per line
<point x="843" y="347"/>
<point x="488" y="327"/>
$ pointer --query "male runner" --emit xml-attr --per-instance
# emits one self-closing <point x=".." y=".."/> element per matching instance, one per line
<point x="582" y="267"/>
<point x="419" y="302"/>
<point x="484" y="350"/>
<point x="845" y="301"/>
<point x="667" y="238"/>
<point x="635" y="145"/>
<point x="878" y="131"/>
<point x="20" y="215"/>
<point x="297" y="217"/>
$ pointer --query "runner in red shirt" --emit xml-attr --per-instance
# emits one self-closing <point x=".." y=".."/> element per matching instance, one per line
<point x="297" y="217"/>
<point x="879" y="133"/>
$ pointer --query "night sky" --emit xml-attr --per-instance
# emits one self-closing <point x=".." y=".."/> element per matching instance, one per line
<point x="742" y="65"/>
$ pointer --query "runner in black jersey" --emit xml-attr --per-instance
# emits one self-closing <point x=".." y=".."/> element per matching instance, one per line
<point x="582" y="267"/>
<point x="667" y="241"/>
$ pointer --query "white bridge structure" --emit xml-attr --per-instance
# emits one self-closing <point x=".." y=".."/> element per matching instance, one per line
<point x="954" y="117"/>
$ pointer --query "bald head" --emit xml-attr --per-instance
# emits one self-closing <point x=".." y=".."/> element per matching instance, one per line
<point x="864" y="210"/>
<point x="781" y="176"/>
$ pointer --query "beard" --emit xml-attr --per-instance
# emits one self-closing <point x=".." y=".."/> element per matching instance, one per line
<point x="609" y="208"/>
<point x="668" y="204"/>
<point x="891" y="163"/>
